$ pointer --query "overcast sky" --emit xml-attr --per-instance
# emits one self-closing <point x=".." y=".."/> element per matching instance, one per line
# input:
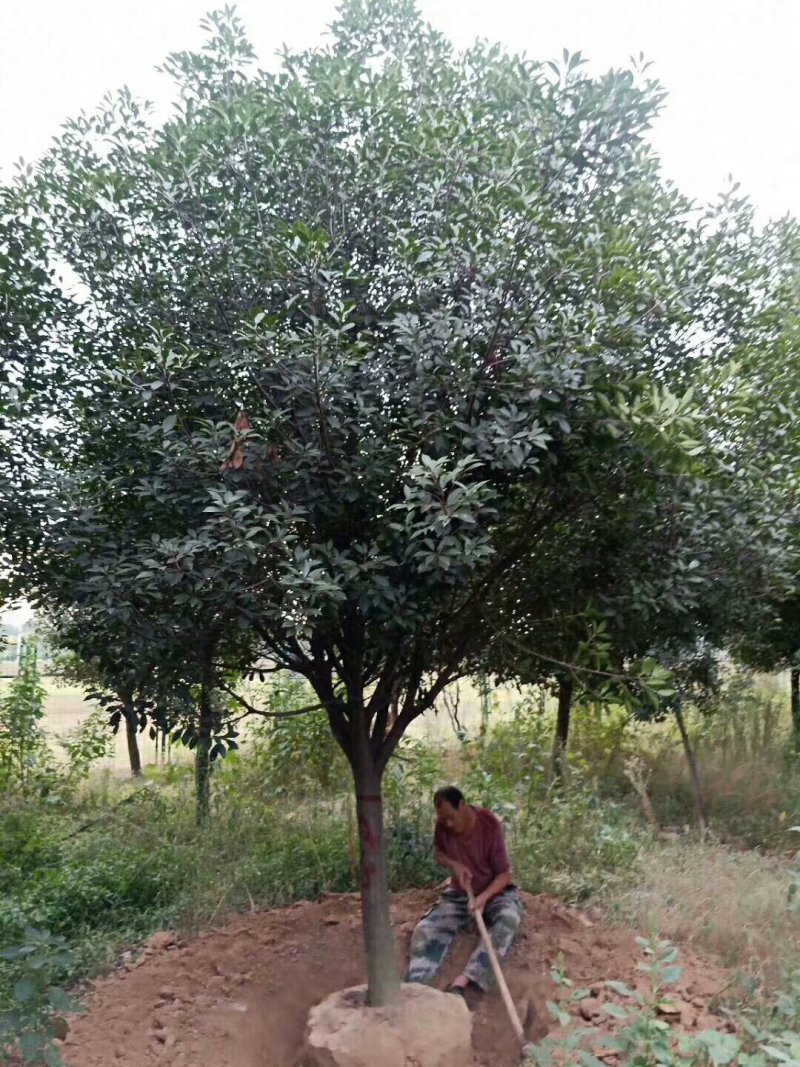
<point x="731" y="68"/>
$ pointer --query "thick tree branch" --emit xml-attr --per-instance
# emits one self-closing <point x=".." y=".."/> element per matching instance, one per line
<point x="251" y="710"/>
<point x="384" y="691"/>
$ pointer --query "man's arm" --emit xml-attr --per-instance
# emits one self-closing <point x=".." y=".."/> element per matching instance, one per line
<point x="497" y="885"/>
<point x="498" y="859"/>
<point x="462" y="873"/>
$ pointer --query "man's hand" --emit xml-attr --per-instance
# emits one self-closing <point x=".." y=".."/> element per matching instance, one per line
<point x="478" y="903"/>
<point x="463" y="875"/>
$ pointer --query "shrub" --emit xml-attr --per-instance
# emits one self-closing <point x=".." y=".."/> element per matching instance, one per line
<point x="33" y="1008"/>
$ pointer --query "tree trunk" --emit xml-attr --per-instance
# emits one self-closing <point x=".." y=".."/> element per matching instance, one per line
<point x="202" y="752"/>
<point x="694" y="777"/>
<point x="384" y="983"/>
<point x="485" y="696"/>
<point x="131" y="732"/>
<point x="565" y="686"/>
<point x="133" y="744"/>
<point x="794" y="685"/>
<point x="394" y="711"/>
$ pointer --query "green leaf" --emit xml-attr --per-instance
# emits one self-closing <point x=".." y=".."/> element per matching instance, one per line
<point x="615" y="1011"/>
<point x="60" y="1000"/>
<point x="721" y="1048"/>
<point x="580" y="994"/>
<point x="562" y="1017"/>
<point x="31" y="1044"/>
<point x="25" y="989"/>
<point x="778" y="1054"/>
<point x="52" y="1057"/>
<point x="621" y="988"/>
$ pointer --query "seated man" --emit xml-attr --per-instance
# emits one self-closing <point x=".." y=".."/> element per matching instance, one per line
<point x="469" y="842"/>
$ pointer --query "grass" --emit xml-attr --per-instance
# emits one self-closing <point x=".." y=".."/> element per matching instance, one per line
<point x="727" y="894"/>
<point x="142" y="864"/>
<point x="749" y="776"/>
<point x="718" y="899"/>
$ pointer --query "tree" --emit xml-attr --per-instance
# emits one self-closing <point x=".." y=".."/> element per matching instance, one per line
<point x="677" y="550"/>
<point x="349" y="324"/>
<point x="765" y="426"/>
<point x="108" y="673"/>
<point x="32" y="376"/>
<point x="776" y="645"/>
<point x="154" y="664"/>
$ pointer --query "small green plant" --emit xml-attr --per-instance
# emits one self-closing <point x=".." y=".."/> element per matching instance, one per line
<point x="24" y="755"/>
<point x="566" y="1048"/>
<point x="645" y="1038"/>
<point x="34" y="1016"/>
<point x="766" y="1035"/>
<point x="89" y="742"/>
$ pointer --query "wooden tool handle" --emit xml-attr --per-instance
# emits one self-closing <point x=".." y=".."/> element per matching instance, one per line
<point x="501" y="982"/>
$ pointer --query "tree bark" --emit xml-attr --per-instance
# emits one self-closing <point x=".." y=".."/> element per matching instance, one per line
<point x="382" y="977"/>
<point x="565" y="688"/>
<point x="131" y="734"/>
<point x="202" y="755"/>
<point x="694" y="777"/>
<point x="485" y="695"/>
<point x="367" y="756"/>
<point x="794" y="686"/>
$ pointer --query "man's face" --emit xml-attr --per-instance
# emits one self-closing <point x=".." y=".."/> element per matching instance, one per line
<point x="450" y="818"/>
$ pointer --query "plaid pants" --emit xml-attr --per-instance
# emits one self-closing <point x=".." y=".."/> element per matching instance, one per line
<point x="435" y="932"/>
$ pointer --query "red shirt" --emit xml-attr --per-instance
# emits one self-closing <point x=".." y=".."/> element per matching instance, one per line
<point x="483" y="852"/>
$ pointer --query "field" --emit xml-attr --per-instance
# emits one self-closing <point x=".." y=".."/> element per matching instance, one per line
<point x="66" y="706"/>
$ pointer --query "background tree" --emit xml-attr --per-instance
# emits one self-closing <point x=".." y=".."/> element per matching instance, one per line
<point x="776" y="646"/>
<point x="762" y="430"/>
<point x="112" y="672"/>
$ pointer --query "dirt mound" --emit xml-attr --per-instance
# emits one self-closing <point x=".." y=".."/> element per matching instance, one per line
<point x="239" y="995"/>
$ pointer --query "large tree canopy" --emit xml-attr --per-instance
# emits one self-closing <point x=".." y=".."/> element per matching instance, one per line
<point x="355" y="341"/>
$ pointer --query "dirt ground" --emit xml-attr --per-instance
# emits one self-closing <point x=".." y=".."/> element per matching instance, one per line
<point x="238" y="995"/>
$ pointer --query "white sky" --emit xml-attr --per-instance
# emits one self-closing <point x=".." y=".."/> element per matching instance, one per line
<point x="731" y="67"/>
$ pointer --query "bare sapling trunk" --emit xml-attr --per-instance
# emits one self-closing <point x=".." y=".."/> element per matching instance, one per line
<point x="636" y="773"/>
<point x="794" y="687"/>
<point x="202" y="756"/>
<point x="561" y="740"/>
<point x="694" y="777"/>
<point x="485" y="695"/>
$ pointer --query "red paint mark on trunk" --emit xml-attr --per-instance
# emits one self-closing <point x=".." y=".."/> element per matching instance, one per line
<point x="369" y="844"/>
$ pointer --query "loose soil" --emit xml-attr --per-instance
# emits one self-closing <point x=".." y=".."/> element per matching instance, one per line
<point x="238" y="995"/>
